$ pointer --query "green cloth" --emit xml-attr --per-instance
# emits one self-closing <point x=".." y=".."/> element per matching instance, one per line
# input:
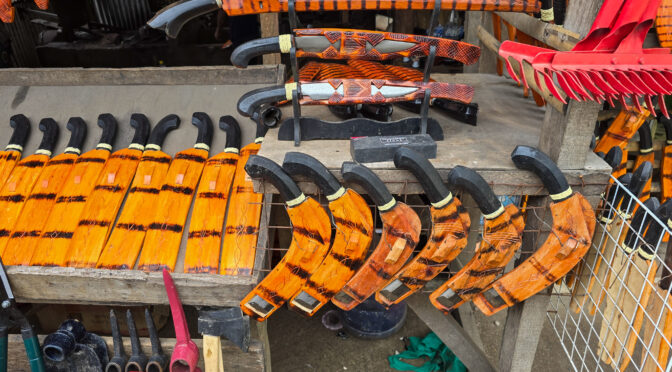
<point x="437" y="355"/>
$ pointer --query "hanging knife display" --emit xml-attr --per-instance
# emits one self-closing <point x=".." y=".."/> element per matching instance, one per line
<point x="12" y="153"/>
<point x="207" y="219"/>
<point x="567" y="243"/>
<point x="311" y="238"/>
<point x="164" y="233"/>
<point x="353" y="224"/>
<point x="400" y="235"/>
<point x="36" y="209"/>
<point x="122" y="248"/>
<point x="448" y="236"/>
<point x="502" y="233"/>
<point x="19" y="184"/>
<point x="331" y="43"/>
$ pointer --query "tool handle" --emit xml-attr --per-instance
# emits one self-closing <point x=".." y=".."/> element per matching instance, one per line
<point x="374" y="186"/>
<point x="50" y="132"/>
<point x="250" y="101"/>
<point x="77" y="128"/>
<point x="109" y="125"/>
<point x="21" y="126"/>
<point x="140" y="123"/>
<point x="423" y="171"/>
<point x="614" y="157"/>
<point x="242" y="55"/>
<point x="667" y="123"/>
<point x="230" y="126"/>
<point x="638" y="224"/>
<point x="261" y="130"/>
<point x="4" y="342"/>
<point x="645" y="140"/>
<point x="34" y="353"/>
<point x="468" y="180"/>
<point x="172" y="18"/>
<point x="639" y="179"/>
<point x="300" y="164"/>
<point x="161" y="129"/>
<point x="534" y="160"/>
<point x="267" y="170"/>
<point x="666" y="274"/>
<point x="655" y="231"/>
<point x="202" y="121"/>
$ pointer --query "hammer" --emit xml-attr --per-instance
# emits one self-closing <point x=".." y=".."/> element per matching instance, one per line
<point x="229" y="323"/>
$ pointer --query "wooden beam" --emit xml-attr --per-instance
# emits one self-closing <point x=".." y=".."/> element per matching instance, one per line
<point x="557" y="37"/>
<point x="270" y="26"/>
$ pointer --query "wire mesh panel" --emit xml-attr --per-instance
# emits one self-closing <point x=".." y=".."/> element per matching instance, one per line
<point x="614" y="311"/>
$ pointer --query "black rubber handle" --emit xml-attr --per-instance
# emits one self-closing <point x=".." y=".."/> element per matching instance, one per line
<point x="230" y="126"/>
<point x="297" y="163"/>
<point x="667" y="123"/>
<point x="202" y="121"/>
<point x="250" y="101"/>
<point x="21" y="126"/>
<point x="242" y="55"/>
<point x="141" y="125"/>
<point x="161" y="129"/>
<point x="172" y="18"/>
<point x="261" y="130"/>
<point x="266" y="169"/>
<point x="468" y="180"/>
<point x="615" y="195"/>
<point x="639" y="178"/>
<point x="645" y="140"/>
<point x="109" y="125"/>
<point x="614" y="157"/>
<point x="374" y="186"/>
<point x="424" y="172"/>
<point x="639" y="222"/>
<point x="655" y="231"/>
<point x="50" y="134"/>
<point x="536" y="161"/>
<point x="77" y="128"/>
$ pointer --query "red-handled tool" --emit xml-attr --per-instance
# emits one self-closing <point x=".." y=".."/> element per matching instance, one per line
<point x="185" y="354"/>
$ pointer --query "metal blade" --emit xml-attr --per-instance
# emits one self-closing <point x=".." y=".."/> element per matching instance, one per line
<point x="635" y="101"/>
<point x="565" y="86"/>
<point x="576" y="85"/>
<point x="625" y="80"/>
<point x="651" y="82"/>
<point x="587" y="82"/>
<point x="663" y="108"/>
<point x="637" y="81"/>
<point x="649" y="105"/>
<point x="611" y="79"/>
<point x="550" y="85"/>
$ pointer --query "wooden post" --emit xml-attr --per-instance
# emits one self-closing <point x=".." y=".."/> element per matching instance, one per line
<point x="270" y="27"/>
<point x="488" y="61"/>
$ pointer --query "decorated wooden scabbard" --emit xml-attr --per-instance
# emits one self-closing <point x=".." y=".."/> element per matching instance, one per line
<point x="447" y="238"/>
<point x="666" y="162"/>
<point x="20" y="183"/>
<point x="28" y="227"/>
<point x="502" y="231"/>
<point x="123" y="247"/>
<point x="311" y="238"/>
<point x="164" y="233"/>
<point x="624" y="126"/>
<point x="645" y="154"/>
<point x="353" y="223"/>
<point x="207" y="218"/>
<point x="568" y="241"/>
<point x="14" y="149"/>
<point x="243" y="217"/>
<point x="57" y="233"/>
<point x="353" y="91"/>
<point x="401" y="232"/>
<point x="332" y="43"/>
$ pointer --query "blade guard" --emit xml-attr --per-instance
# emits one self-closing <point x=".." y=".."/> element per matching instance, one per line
<point x="230" y="126"/>
<point x="202" y="121"/>
<point x="21" y="126"/>
<point x="161" y="129"/>
<point x="185" y="354"/>
<point x="468" y="180"/>
<point x="372" y="184"/>
<point x="50" y="131"/>
<point x="531" y="159"/>
<point x="252" y="100"/>
<point x="109" y="125"/>
<point x="425" y="173"/>
<point x="77" y="128"/>
<point x="172" y="18"/>
<point x="242" y="55"/>
<point x="259" y="167"/>
<point x="140" y="123"/>
<point x="300" y="164"/>
<point x="638" y="225"/>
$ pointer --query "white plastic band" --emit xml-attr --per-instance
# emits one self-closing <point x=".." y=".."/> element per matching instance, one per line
<point x="669" y="142"/>
<point x="219" y="3"/>
<point x="669" y="223"/>
<point x="562" y="195"/>
<point x="442" y="203"/>
<point x="73" y="149"/>
<point x="202" y="146"/>
<point x="153" y="147"/>
<point x="340" y="192"/>
<point x="606" y="220"/>
<point x="43" y="152"/>
<point x="296" y="201"/>
<point x="387" y="206"/>
<point x="259" y="140"/>
<point x="233" y="150"/>
<point x="627" y="249"/>
<point x="104" y="146"/>
<point x="646" y="255"/>
<point x="136" y="146"/>
<point x="645" y="151"/>
<point x="289" y="88"/>
<point x="547" y="15"/>
<point x="285" y="42"/>
<point x="494" y="214"/>
<point x="13" y="147"/>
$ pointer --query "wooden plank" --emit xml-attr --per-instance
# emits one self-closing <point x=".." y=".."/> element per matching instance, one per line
<point x="487" y="63"/>
<point x="270" y="26"/>
<point x="557" y="37"/>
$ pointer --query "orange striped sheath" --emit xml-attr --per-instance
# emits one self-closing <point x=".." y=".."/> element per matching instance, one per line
<point x="624" y="126"/>
<point x="54" y="242"/>
<point x="311" y="238"/>
<point x="20" y="183"/>
<point x="664" y="24"/>
<point x="406" y="73"/>
<point x="502" y="231"/>
<point x="645" y="154"/>
<point x="164" y="233"/>
<point x="353" y="223"/>
<point x="448" y="236"/>
<point x="401" y="232"/>
<point x="666" y="162"/>
<point x="338" y="71"/>
<point x="36" y="209"/>
<point x="207" y="219"/>
<point x="7" y="11"/>
<point x="372" y="70"/>
<point x="123" y="247"/>
<point x="12" y="153"/>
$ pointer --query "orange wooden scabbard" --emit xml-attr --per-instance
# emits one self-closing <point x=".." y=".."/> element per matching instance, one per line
<point x="406" y="73"/>
<point x="8" y="160"/>
<point x="569" y="240"/>
<point x="207" y="219"/>
<point x="354" y="232"/>
<point x="338" y="71"/>
<point x="164" y="232"/>
<point x="123" y="247"/>
<point x="666" y="174"/>
<point x="311" y="238"/>
<point x="501" y="240"/>
<point x="101" y="208"/>
<point x="401" y="231"/>
<point x="621" y="130"/>
<point x="448" y="237"/>
<point x="242" y="221"/>
<point x="373" y="70"/>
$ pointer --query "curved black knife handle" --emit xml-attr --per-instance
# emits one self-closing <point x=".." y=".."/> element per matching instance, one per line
<point x="667" y="123"/>
<point x="109" y="125"/>
<point x="230" y="126"/>
<point x="161" y="130"/>
<point x="531" y="159"/>
<point x="639" y="179"/>
<point x="614" y="157"/>
<point x="614" y="196"/>
<point x="638" y="224"/>
<point x="374" y="186"/>
<point x="297" y="163"/>
<point x="172" y="18"/>
<point x="267" y="170"/>
<point x="654" y="233"/>
<point x="21" y="126"/>
<point x="269" y="115"/>
<point x="140" y="123"/>
<point x="423" y="171"/>
<point x="645" y="140"/>
<point x="77" y="128"/>
<point x="50" y="132"/>
<point x="203" y="122"/>
<point x="242" y="55"/>
<point x="250" y="101"/>
<point x="468" y="180"/>
<point x="261" y="130"/>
